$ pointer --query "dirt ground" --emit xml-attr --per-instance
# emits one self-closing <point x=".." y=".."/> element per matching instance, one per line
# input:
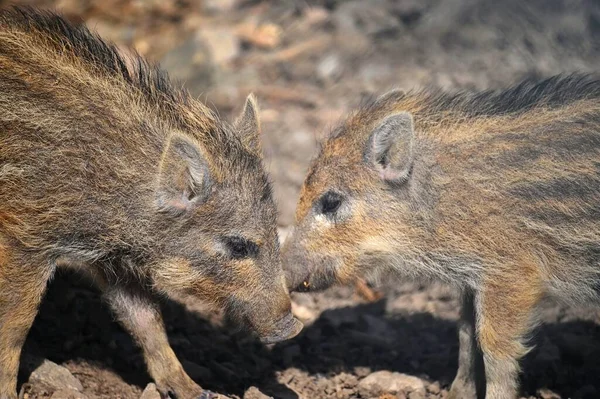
<point x="309" y="62"/>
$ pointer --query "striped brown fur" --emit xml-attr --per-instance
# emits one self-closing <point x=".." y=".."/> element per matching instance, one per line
<point x="107" y="167"/>
<point x="496" y="193"/>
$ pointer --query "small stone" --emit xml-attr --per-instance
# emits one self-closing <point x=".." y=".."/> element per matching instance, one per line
<point x="150" y="392"/>
<point x="255" y="393"/>
<point x="67" y="394"/>
<point x="388" y="382"/>
<point x="55" y="377"/>
<point x="24" y="393"/>
<point x="434" y="388"/>
<point x="545" y="393"/>
<point x="346" y="380"/>
<point x="362" y="371"/>
<point x="416" y="395"/>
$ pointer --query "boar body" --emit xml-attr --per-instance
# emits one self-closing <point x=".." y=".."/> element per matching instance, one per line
<point x="107" y="168"/>
<point x="496" y="193"/>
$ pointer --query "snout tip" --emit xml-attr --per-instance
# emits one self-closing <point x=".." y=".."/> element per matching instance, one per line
<point x="286" y="329"/>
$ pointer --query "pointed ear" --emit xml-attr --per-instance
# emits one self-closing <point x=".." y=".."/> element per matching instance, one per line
<point x="247" y="125"/>
<point x="184" y="177"/>
<point x="390" y="148"/>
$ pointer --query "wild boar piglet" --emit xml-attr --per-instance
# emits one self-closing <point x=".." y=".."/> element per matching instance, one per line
<point x="107" y="168"/>
<point x="496" y="193"/>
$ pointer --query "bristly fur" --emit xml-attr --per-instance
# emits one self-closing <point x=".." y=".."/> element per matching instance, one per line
<point x="108" y="168"/>
<point x="556" y="91"/>
<point x="542" y="136"/>
<point x="553" y="92"/>
<point x="130" y="73"/>
<point x="501" y="202"/>
<point x="100" y="55"/>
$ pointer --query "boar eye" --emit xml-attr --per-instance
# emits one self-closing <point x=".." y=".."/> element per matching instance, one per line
<point x="330" y="202"/>
<point x="240" y="248"/>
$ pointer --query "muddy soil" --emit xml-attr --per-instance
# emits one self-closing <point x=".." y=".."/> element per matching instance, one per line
<point x="309" y="62"/>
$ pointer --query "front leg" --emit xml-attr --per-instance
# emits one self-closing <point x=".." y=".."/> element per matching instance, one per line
<point x="22" y="285"/>
<point x="142" y="319"/>
<point x="505" y="309"/>
<point x="469" y="382"/>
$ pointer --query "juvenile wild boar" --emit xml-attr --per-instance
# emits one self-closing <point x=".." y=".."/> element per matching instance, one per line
<point x="105" y="167"/>
<point x="495" y="193"/>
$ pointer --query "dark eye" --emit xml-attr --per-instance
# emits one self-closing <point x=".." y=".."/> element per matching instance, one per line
<point x="330" y="202"/>
<point x="240" y="248"/>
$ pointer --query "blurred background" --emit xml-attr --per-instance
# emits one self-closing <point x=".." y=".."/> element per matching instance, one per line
<point x="310" y="62"/>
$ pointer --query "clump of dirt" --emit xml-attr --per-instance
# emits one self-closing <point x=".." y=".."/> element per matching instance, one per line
<point x="309" y="63"/>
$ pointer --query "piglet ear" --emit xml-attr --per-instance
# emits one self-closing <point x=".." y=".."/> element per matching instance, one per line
<point x="390" y="148"/>
<point x="247" y="125"/>
<point x="184" y="176"/>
